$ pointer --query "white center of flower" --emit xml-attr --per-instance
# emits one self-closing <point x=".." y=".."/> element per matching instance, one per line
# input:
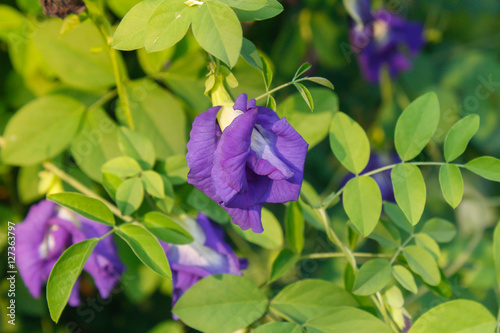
<point x="380" y="30"/>
<point x="226" y="116"/>
<point x="48" y="243"/>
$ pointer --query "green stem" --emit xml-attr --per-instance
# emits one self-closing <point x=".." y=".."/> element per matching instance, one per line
<point x="84" y="190"/>
<point x="341" y="254"/>
<point x="329" y="199"/>
<point x="103" y="100"/>
<point x="119" y="71"/>
<point x="280" y="87"/>
<point x="401" y="248"/>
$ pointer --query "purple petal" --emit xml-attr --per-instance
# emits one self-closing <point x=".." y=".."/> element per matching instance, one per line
<point x="201" y="147"/>
<point x="241" y="103"/>
<point x="247" y="218"/>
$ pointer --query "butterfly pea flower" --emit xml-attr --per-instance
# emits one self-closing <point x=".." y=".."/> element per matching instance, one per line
<point x="47" y="231"/>
<point x="208" y="254"/>
<point x="383" y="179"/>
<point x="242" y="156"/>
<point x="382" y="39"/>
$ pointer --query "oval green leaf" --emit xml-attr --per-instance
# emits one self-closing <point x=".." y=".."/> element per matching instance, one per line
<point x="294" y="227"/>
<point x="129" y="195"/>
<point x="64" y="275"/>
<point x="349" y="143"/>
<point x="440" y="229"/>
<point x="486" y="166"/>
<point x="285" y="260"/>
<point x="168" y="24"/>
<point x="422" y="263"/>
<point x="91" y="208"/>
<point x="307" y="298"/>
<point x="458" y="137"/>
<point x="363" y="203"/>
<point x="218" y="30"/>
<point x="122" y="166"/>
<point x="346" y="320"/>
<point x="416" y="126"/>
<point x="409" y="190"/>
<point x="146" y="248"/>
<point x="452" y="184"/>
<point x="372" y="277"/>
<point x="278" y="327"/>
<point x="405" y="278"/>
<point x="272" y="236"/>
<point x="206" y="305"/>
<point x="41" y="129"/>
<point x="455" y="316"/>
<point x="153" y="183"/>
<point x="166" y="229"/>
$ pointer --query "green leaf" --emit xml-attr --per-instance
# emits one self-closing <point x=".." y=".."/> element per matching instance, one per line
<point x="271" y="103"/>
<point x="278" y="327"/>
<point x="422" y="263"/>
<point x="250" y="54"/>
<point x="159" y="117"/>
<point x="166" y="204"/>
<point x="372" y="277"/>
<point x="176" y="169"/>
<point x="91" y="208"/>
<point x="206" y="305"/>
<point x="64" y="275"/>
<point x="409" y="190"/>
<point x="272" y="9"/>
<point x="218" y="30"/>
<point x="122" y="166"/>
<point x="458" y="137"/>
<point x="306" y="299"/>
<point x="416" y="126"/>
<point x="71" y="55"/>
<point x="362" y="202"/>
<point x="306" y="94"/>
<point x="405" y="278"/>
<point x="452" y="184"/>
<point x="440" y="229"/>
<point x="244" y="4"/>
<point x="398" y="216"/>
<point x="110" y="183"/>
<point x="322" y="81"/>
<point x="153" y="183"/>
<point x="285" y="260"/>
<point x="312" y="126"/>
<point x="201" y="202"/>
<point x="485" y="166"/>
<point x="455" y="316"/>
<point x="41" y="129"/>
<point x="146" y="248"/>
<point x="137" y="146"/>
<point x="95" y="143"/>
<point x="496" y="251"/>
<point x="346" y="320"/>
<point x="302" y="69"/>
<point x="267" y="71"/>
<point x="386" y="235"/>
<point x="129" y="195"/>
<point x="272" y="236"/>
<point x="294" y="227"/>
<point x="349" y="143"/>
<point x="168" y="24"/>
<point x="166" y="229"/>
<point x="131" y="31"/>
<point x="428" y="243"/>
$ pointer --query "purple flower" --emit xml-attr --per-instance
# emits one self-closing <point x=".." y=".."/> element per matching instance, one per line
<point x="242" y="156"/>
<point x="383" y="179"/>
<point x="383" y="39"/>
<point x="43" y="236"/>
<point x="207" y="255"/>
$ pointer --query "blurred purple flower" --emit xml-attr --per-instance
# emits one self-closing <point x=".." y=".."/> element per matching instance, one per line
<point x="250" y="156"/>
<point x="47" y="232"/>
<point x="207" y="255"/>
<point x="383" y="179"/>
<point x="383" y="39"/>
